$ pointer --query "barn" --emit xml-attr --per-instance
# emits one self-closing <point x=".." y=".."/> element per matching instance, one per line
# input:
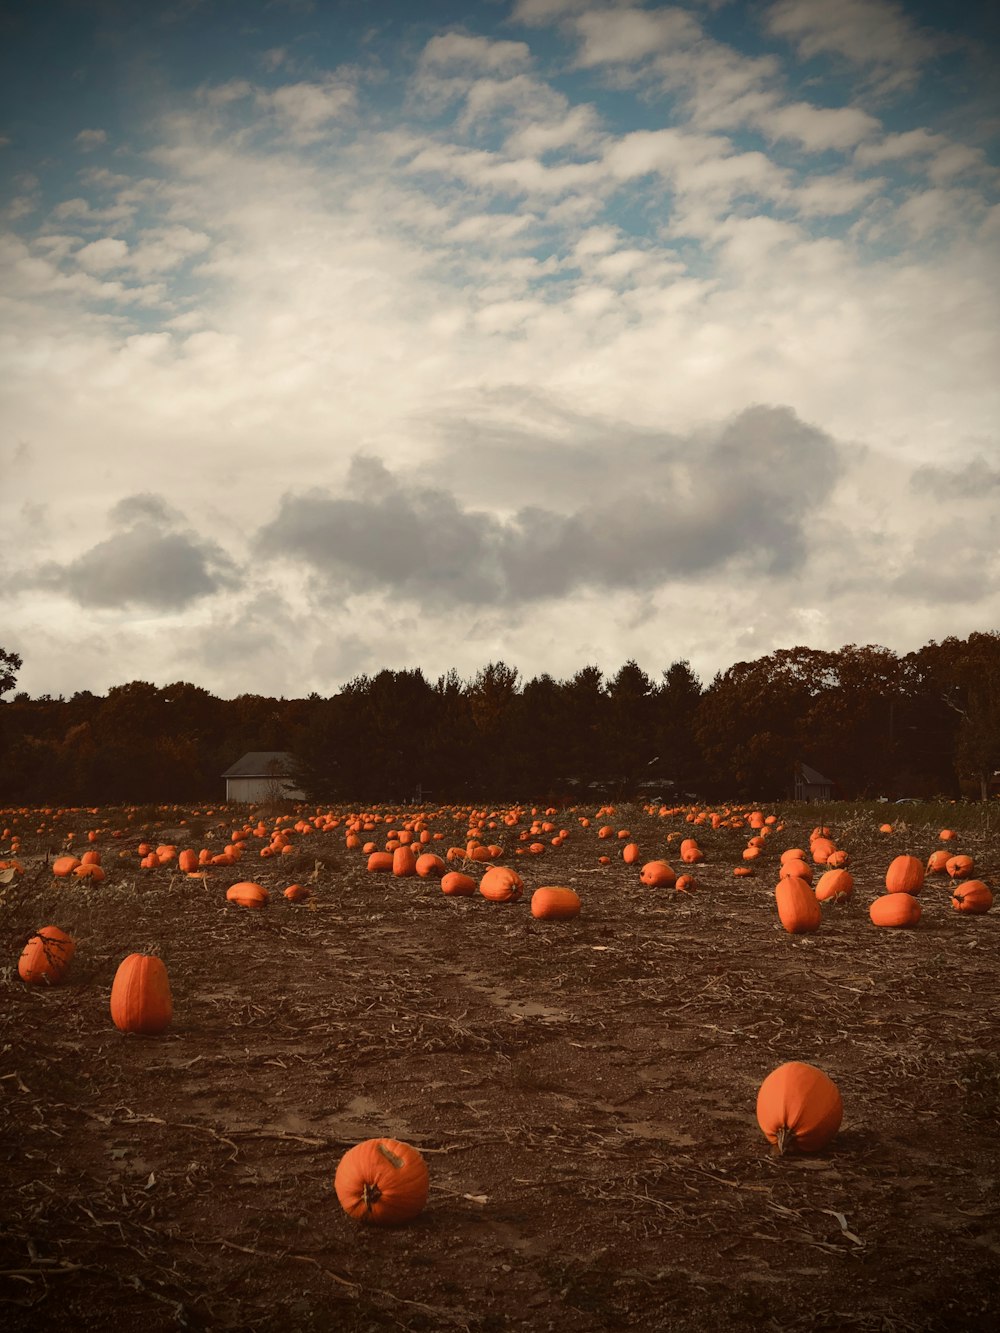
<point x="262" y="775"/>
<point x="811" y="785"/>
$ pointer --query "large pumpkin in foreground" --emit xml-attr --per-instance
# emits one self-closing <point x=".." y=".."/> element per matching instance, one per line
<point x="46" y="956"/>
<point x="140" y="995"/>
<point x="895" y="909"/>
<point x="382" y="1181"/>
<point x="799" y="1108"/>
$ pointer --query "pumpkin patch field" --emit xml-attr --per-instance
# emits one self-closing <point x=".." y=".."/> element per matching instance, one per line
<point x="568" y="1069"/>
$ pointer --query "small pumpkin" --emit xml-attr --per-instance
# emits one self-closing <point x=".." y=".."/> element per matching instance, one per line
<point x="552" y="902"/>
<point x="658" y="875"/>
<point x="380" y="863"/>
<point x="298" y="893"/>
<point x="799" y="1107"/>
<point x="429" y="866"/>
<point x="959" y="867"/>
<point x="247" y="894"/>
<point x="501" y="885"/>
<point x="971" y="895"/>
<point x="457" y="885"/>
<point x="382" y="1181"/>
<point x="691" y="854"/>
<point x="905" y="875"/>
<point x="798" y="909"/>
<point x="140" y="995"/>
<point x="65" y="865"/>
<point x="834" y="885"/>
<point x="46" y="956"/>
<point x="895" y="909"/>
<point x="937" y="861"/>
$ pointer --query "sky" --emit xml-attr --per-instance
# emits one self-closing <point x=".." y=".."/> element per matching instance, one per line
<point x="341" y="336"/>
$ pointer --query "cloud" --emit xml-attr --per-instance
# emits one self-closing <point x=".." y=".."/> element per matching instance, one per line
<point x="877" y="35"/>
<point x="88" y="140"/>
<point x="149" y="563"/>
<point x="717" y="499"/>
<point x="458" y="50"/>
<point x="100" y="256"/>
<point x="976" y="480"/>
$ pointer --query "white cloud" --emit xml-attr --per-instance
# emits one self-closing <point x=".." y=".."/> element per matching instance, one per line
<point x="453" y="49"/>
<point x="88" y="140"/>
<point x="100" y="256"/>
<point x="877" y="35"/>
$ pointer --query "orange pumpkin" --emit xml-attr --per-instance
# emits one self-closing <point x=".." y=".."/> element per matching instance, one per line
<point x="380" y="863"/>
<point x="895" y="909"/>
<point x="905" y="875"/>
<point x="404" y="862"/>
<point x="382" y="1181"/>
<point x="799" y="1108"/>
<point x="140" y="995"/>
<point x="971" y="895"/>
<point x="46" y="956"/>
<point x="937" y="861"/>
<point x="501" y="885"/>
<point x="554" y="903"/>
<point x="247" y="894"/>
<point x="835" y="885"/>
<point x="457" y="885"/>
<point x="658" y="875"/>
<point x="297" y="893"/>
<point x="798" y="908"/>
<point x="959" y="867"/>
<point x="429" y="866"/>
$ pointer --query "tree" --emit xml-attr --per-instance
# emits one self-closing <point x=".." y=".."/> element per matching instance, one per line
<point x="10" y="665"/>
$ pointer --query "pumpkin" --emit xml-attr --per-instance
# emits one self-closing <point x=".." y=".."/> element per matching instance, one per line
<point x="630" y="853"/>
<point x="971" y="895"/>
<point x="457" y="885"/>
<point x="684" y="884"/>
<point x="794" y="868"/>
<point x="554" y="903"/>
<point x="429" y="866"/>
<point x="501" y="885"/>
<point x="947" y="835"/>
<point x="382" y="1181"/>
<point x="247" y="894"/>
<point x="187" y="860"/>
<point x="822" y="849"/>
<point x="895" y="909"/>
<point x="380" y="863"/>
<point x="837" y="860"/>
<point x="799" y="1108"/>
<point x="658" y="875"/>
<point x="404" y="862"/>
<point x="937" y="861"/>
<point x="64" y="865"/>
<point x="298" y="893"/>
<point x="792" y="854"/>
<point x="905" y="875"/>
<point x="798" y="908"/>
<point x="837" y="885"/>
<point x="691" y="853"/>
<point x="959" y="867"/>
<point x="140" y="995"/>
<point x="46" y="956"/>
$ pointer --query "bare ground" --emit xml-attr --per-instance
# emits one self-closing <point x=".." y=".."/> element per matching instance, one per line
<point x="583" y="1091"/>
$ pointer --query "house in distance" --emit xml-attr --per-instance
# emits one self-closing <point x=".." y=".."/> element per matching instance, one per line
<point x="262" y="775"/>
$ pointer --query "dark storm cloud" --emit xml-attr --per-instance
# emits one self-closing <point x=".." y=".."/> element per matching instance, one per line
<point x="976" y="479"/>
<point x="739" y="494"/>
<point x="146" y="565"/>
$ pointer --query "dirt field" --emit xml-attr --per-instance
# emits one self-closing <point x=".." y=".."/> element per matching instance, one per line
<point x="583" y="1092"/>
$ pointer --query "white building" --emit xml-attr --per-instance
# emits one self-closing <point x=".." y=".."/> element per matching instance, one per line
<point x="262" y="775"/>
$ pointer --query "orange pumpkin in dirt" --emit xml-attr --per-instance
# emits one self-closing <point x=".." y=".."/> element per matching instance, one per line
<point x="658" y="875"/>
<point x="247" y="894"/>
<point x="798" y="909"/>
<point x="959" y="867"/>
<point x="140" y="995"/>
<point x="553" y="902"/>
<point x="457" y="885"/>
<point x="501" y="885"/>
<point x="905" y="875"/>
<point x="46" y="956"/>
<point x="834" y="886"/>
<point x="973" y="896"/>
<point x="895" y="909"/>
<point x="382" y="1181"/>
<point x="799" y="1107"/>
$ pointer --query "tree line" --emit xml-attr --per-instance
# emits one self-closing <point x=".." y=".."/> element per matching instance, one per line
<point x="923" y="724"/>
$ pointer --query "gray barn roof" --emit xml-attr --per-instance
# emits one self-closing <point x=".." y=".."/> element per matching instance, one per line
<point x="261" y="764"/>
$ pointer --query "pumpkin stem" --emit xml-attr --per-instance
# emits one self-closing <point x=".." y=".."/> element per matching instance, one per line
<point x="397" y="1162"/>
<point x="371" y="1194"/>
<point x="786" y="1139"/>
